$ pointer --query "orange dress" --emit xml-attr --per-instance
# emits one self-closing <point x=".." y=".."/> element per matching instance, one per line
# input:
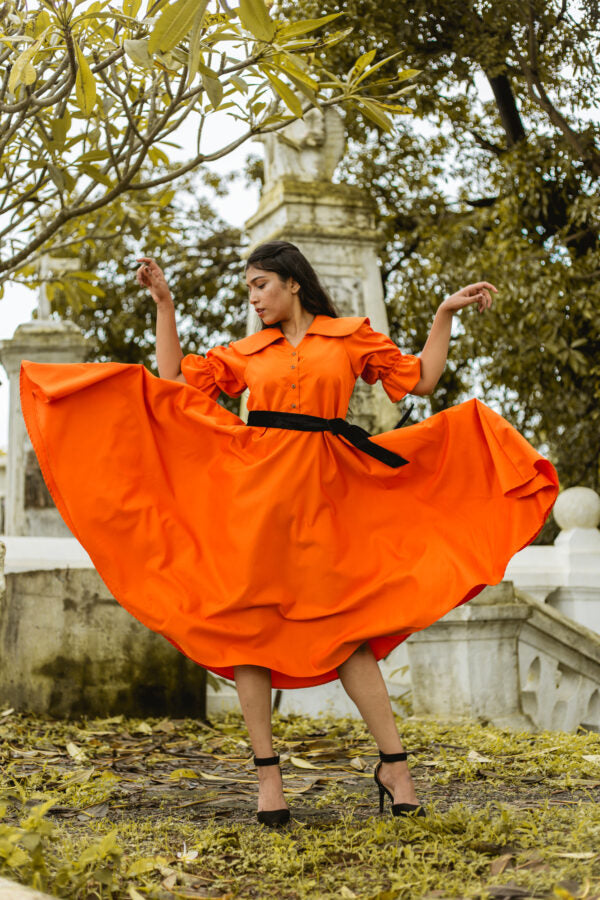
<point x="278" y="548"/>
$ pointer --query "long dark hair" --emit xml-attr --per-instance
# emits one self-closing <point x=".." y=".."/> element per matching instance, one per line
<point x="287" y="261"/>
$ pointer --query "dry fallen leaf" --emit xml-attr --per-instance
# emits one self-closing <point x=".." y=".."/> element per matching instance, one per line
<point x="76" y="752"/>
<point x="143" y="727"/>
<point x="302" y="763"/>
<point x="474" y="756"/>
<point x="497" y="866"/>
<point x="357" y="762"/>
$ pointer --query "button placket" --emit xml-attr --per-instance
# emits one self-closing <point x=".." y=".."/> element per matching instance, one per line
<point x="292" y="368"/>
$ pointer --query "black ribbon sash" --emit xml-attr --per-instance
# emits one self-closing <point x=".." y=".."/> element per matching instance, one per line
<point x="355" y="435"/>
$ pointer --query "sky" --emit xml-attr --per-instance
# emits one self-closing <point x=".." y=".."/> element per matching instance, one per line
<point x="240" y="203"/>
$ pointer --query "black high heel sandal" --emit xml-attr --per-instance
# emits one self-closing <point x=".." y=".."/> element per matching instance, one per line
<point x="398" y="809"/>
<point x="271" y="817"/>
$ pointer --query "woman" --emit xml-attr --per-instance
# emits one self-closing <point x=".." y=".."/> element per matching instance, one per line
<point x="293" y="550"/>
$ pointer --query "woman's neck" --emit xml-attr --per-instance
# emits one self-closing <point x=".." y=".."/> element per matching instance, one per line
<point x="297" y="325"/>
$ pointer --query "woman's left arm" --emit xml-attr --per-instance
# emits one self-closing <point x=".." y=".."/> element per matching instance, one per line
<point x="435" y="352"/>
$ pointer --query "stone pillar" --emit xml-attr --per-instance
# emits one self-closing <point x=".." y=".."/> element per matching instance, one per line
<point x="566" y="574"/>
<point x="334" y="226"/>
<point x="29" y="506"/>
<point x="577" y="511"/>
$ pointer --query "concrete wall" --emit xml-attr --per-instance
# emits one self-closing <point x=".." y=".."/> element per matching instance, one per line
<point x="67" y="648"/>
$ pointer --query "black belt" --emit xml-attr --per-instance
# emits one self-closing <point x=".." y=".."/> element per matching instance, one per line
<point x="355" y="435"/>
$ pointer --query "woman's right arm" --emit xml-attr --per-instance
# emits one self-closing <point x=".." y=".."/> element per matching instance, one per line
<point x="168" y="348"/>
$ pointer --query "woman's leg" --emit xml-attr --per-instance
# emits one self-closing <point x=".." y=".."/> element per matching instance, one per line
<point x="364" y="684"/>
<point x="253" y="685"/>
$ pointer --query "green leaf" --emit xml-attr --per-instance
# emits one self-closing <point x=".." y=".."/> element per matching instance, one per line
<point x="297" y="28"/>
<point x="85" y="84"/>
<point x="286" y="93"/>
<point x="255" y="17"/>
<point x="138" y="53"/>
<point x="172" y="26"/>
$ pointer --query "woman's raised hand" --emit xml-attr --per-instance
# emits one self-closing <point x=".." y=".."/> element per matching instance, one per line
<point x="478" y="293"/>
<point x="151" y="275"/>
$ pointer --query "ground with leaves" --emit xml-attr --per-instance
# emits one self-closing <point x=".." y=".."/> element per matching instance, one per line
<point x="166" y="809"/>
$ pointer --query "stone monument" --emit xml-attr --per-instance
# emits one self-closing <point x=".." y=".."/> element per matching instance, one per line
<point x="29" y="506"/>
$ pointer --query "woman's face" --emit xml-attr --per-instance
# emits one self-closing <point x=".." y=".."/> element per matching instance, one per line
<point x="273" y="300"/>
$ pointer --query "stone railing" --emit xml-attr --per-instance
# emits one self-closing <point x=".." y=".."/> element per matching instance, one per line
<point x="506" y="658"/>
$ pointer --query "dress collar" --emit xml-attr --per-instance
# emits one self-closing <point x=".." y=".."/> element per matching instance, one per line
<point x="323" y="325"/>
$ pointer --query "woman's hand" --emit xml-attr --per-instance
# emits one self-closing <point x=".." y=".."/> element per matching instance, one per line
<point x="151" y="275"/>
<point x="478" y="293"/>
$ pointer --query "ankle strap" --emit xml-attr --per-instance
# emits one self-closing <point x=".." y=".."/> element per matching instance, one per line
<point x="393" y="757"/>
<point x="266" y="760"/>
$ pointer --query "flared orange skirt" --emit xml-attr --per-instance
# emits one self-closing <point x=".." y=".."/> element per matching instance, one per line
<point x="281" y="549"/>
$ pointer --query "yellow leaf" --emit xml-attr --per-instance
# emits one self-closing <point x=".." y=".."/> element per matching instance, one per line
<point x="362" y="62"/>
<point x="131" y="7"/>
<point x="29" y="74"/>
<point x="20" y="64"/>
<point x="375" y="115"/>
<point x="137" y="51"/>
<point x="184" y="773"/>
<point x="143" y="727"/>
<point x="290" y="68"/>
<point x="195" y="38"/>
<point x="95" y="174"/>
<point x="213" y="88"/>
<point x="368" y="72"/>
<point x="255" y="17"/>
<point x="297" y="28"/>
<point x="173" y="25"/>
<point x="286" y="93"/>
<point x="141" y="866"/>
<point x="302" y="763"/>
<point x="76" y="752"/>
<point x="85" y="84"/>
<point x="60" y="128"/>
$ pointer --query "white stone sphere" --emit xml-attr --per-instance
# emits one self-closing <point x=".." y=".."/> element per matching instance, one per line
<point x="577" y="507"/>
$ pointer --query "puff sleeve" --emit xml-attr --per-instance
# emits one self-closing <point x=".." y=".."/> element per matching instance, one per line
<point x="222" y="369"/>
<point x="374" y="355"/>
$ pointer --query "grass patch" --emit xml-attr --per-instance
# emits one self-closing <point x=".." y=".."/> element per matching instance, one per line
<point x="122" y="808"/>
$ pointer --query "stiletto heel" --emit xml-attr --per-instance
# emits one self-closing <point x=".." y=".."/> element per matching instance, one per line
<point x="398" y="809"/>
<point x="271" y="817"/>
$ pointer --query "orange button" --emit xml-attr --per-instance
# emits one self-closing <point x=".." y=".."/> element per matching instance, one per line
<point x="293" y="385"/>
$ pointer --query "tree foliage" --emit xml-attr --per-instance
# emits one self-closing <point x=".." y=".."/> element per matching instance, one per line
<point x="495" y="176"/>
<point x="93" y="97"/>
<point x="202" y="259"/>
